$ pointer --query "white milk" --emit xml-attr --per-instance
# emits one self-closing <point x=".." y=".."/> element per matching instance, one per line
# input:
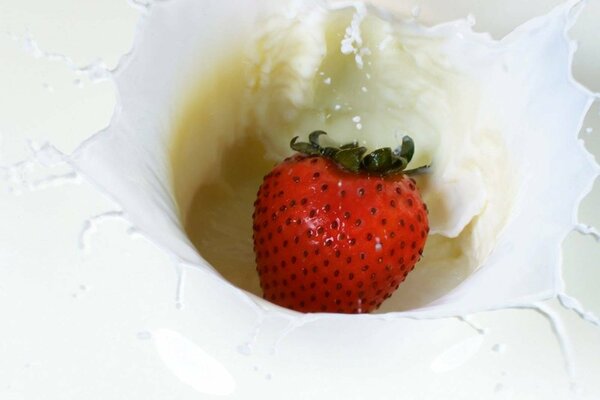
<point x="498" y="120"/>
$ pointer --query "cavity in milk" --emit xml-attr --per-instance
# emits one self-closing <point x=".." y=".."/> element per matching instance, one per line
<point x="467" y="100"/>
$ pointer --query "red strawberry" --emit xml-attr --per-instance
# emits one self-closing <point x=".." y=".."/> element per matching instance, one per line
<point x="337" y="231"/>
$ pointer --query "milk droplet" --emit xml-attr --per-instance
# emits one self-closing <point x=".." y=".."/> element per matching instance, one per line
<point x="467" y="320"/>
<point x="571" y="303"/>
<point x="90" y="227"/>
<point x="179" y="269"/>
<point x="31" y="47"/>
<point x="97" y="71"/>
<point x="144" y="335"/>
<point x="327" y="81"/>
<point x="356" y="119"/>
<point x="46" y="154"/>
<point x="359" y="61"/>
<point x="415" y="11"/>
<point x="471" y="19"/>
<point x="588" y="230"/>
<point x="499" y="348"/>
<point x="244" y="349"/>
<point x="352" y="40"/>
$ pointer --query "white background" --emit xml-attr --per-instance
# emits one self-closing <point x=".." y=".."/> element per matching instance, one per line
<point x="80" y="296"/>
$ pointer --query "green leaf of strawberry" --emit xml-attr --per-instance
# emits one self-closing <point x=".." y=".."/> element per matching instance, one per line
<point x="336" y="230"/>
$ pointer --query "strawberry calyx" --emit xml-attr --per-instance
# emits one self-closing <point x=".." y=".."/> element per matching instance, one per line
<point x="354" y="158"/>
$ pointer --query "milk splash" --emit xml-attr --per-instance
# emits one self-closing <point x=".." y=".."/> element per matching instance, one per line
<point x="129" y="160"/>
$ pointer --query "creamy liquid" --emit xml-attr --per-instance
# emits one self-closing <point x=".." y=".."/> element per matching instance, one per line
<point x="358" y="76"/>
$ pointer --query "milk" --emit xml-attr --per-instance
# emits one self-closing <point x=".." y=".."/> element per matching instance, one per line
<point x="498" y="120"/>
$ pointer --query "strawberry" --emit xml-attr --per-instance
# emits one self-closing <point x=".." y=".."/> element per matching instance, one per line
<point x="335" y="230"/>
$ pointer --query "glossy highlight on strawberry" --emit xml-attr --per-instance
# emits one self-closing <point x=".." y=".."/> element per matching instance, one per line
<point x="331" y="239"/>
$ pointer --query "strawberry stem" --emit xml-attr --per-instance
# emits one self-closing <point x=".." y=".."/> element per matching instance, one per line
<point x="352" y="157"/>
